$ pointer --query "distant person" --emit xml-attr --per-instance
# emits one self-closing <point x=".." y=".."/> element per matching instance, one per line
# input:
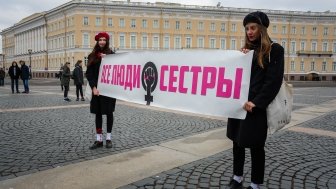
<point x="265" y="81"/>
<point x="66" y="75"/>
<point x="2" y="77"/>
<point x="25" y="76"/>
<point x="14" y="73"/>
<point x="60" y="72"/>
<point x="100" y="105"/>
<point x="78" y="77"/>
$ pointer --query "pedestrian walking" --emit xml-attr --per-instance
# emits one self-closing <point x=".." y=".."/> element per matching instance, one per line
<point x="65" y="82"/>
<point x="100" y="105"/>
<point x="78" y="77"/>
<point x="266" y="78"/>
<point x="60" y="72"/>
<point x="14" y="73"/>
<point x="25" y="75"/>
<point x="2" y="77"/>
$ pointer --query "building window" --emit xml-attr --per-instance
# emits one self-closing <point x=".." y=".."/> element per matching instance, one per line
<point x="312" y="66"/>
<point x="212" y="27"/>
<point x="334" y="48"/>
<point x="284" y="30"/>
<point x="133" y="23"/>
<point x="223" y="27"/>
<point x="303" y="46"/>
<point x="111" y="40"/>
<point x="314" y="46"/>
<point x="325" y="31"/>
<point x="233" y="27"/>
<point x="85" y="21"/>
<point x="223" y="44"/>
<point x="233" y="44"/>
<point x="293" y="47"/>
<point x="200" y="43"/>
<point x="133" y="42"/>
<point x="325" y="47"/>
<point x="212" y="43"/>
<point x="274" y="29"/>
<point x="109" y="22"/>
<point x="177" y="25"/>
<point x="177" y="44"/>
<point x="292" y="66"/>
<point x="201" y="26"/>
<point x="335" y="31"/>
<point x="188" y="42"/>
<point x="144" y="23"/>
<point x="293" y="30"/>
<point x="122" y="41"/>
<point x="314" y="31"/>
<point x="98" y="21"/>
<point x="166" y="42"/>
<point x="188" y="25"/>
<point x="303" y="30"/>
<point x="166" y="24"/>
<point x="302" y="66"/>
<point x="121" y="22"/>
<point x="334" y="66"/>
<point x="283" y="44"/>
<point x="144" y="42"/>
<point x="155" y="24"/>
<point x="156" y="42"/>
<point x="324" y="66"/>
<point x="86" y="42"/>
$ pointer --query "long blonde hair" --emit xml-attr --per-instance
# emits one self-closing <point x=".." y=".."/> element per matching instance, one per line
<point x="265" y="45"/>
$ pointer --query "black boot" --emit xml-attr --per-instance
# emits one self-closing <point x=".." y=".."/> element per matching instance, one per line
<point x="96" y="145"/>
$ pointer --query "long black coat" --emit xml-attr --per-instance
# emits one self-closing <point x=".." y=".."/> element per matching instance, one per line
<point x="78" y="75"/>
<point x="99" y="104"/>
<point x="25" y="72"/>
<point x="264" y="86"/>
<point x="11" y="72"/>
<point x="66" y="74"/>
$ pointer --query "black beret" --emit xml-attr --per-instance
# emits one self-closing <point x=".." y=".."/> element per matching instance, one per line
<point x="257" y="17"/>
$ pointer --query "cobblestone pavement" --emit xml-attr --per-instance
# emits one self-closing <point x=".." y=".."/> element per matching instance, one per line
<point x="35" y="140"/>
<point x="293" y="160"/>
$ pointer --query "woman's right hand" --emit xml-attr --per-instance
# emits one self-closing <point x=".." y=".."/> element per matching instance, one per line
<point x="245" y="50"/>
<point x="95" y="91"/>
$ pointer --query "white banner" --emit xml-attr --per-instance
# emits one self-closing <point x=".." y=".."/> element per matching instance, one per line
<point x="210" y="82"/>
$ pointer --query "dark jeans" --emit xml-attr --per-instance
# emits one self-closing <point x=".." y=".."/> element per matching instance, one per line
<point x="16" y="83"/>
<point x="26" y="85"/>
<point x="2" y="81"/>
<point x="99" y="123"/>
<point x="66" y="90"/>
<point x="79" y="88"/>
<point x="258" y="162"/>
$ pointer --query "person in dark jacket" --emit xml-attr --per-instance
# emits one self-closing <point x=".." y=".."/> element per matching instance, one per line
<point x="60" y="76"/>
<point x="100" y="105"/>
<point x="66" y="75"/>
<point x="2" y="77"/>
<point x="78" y="77"/>
<point x="25" y="74"/>
<point x="14" y="73"/>
<point x="266" y="78"/>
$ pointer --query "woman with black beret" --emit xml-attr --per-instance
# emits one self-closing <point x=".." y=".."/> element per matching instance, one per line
<point x="266" y="78"/>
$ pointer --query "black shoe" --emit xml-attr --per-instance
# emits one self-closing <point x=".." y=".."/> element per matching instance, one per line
<point x="108" y="144"/>
<point x="77" y="99"/>
<point x="67" y="99"/>
<point x="83" y="99"/>
<point x="96" y="145"/>
<point x="234" y="185"/>
<point x="17" y="91"/>
<point x="250" y="187"/>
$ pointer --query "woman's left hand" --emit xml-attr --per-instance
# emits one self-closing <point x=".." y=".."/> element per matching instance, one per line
<point x="248" y="106"/>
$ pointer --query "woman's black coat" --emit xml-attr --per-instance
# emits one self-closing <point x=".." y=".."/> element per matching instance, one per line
<point x="99" y="104"/>
<point x="264" y="86"/>
<point x="78" y="75"/>
<point x="11" y="72"/>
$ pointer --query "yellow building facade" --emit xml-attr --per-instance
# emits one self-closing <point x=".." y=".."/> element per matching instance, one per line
<point x="66" y="33"/>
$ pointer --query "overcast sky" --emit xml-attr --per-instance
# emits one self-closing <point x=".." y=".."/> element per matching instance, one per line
<point x="12" y="11"/>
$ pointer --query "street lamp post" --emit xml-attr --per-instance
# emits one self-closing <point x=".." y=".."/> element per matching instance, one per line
<point x="30" y="52"/>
